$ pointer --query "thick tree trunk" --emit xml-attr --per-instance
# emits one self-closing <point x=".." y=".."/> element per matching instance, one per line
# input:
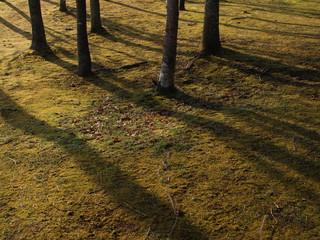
<point x="211" y="39"/>
<point x="96" y="26"/>
<point x="63" y="6"/>
<point x="166" y="80"/>
<point x="182" y="7"/>
<point x="84" y="59"/>
<point x="39" y="42"/>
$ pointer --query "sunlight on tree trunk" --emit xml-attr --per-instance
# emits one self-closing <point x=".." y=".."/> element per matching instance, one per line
<point x="211" y="39"/>
<point x="39" y="42"/>
<point x="166" y="80"/>
<point x="84" y="59"/>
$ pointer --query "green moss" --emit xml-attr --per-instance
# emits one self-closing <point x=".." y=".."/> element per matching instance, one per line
<point x="83" y="158"/>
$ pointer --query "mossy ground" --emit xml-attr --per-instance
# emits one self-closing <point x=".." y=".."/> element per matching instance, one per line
<point x="81" y="158"/>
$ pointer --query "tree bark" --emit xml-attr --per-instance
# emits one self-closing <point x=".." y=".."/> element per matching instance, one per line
<point x="211" y="37"/>
<point x="182" y="6"/>
<point x="63" y="6"/>
<point x="39" y="42"/>
<point x="96" y="26"/>
<point x="166" y="80"/>
<point x="84" y="59"/>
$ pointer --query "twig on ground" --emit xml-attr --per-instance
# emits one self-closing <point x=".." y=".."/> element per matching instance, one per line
<point x="173" y="227"/>
<point x="63" y="210"/>
<point x="172" y="204"/>
<point x="136" y="210"/>
<point x="148" y="233"/>
<point x="15" y="162"/>
<point x="165" y="160"/>
<point x="273" y="215"/>
<point x="190" y="63"/>
<point x="262" y="225"/>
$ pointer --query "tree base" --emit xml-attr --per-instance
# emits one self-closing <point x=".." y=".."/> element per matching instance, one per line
<point x="40" y="48"/>
<point x="63" y="9"/>
<point x="213" y="51"/>
<point x="165" y="91"/>
<point x="86" y="73"/>
<point x="99" y="30"/>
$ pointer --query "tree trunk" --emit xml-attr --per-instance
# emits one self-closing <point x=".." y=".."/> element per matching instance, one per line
<point x="84" y="60"/>
<point x="182" y="7"/>
<point x="166" y="80"/>
<point x="63" y="6"/>
<point x="39" y="42"/>
<point x="211" y="40"/>
<point x="96" y="26"/>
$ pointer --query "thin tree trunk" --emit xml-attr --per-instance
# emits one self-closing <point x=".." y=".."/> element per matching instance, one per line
<point x="182" y="7"/>
<point x="211" y="39"/>
<point x="84" y="59"/>
<point x="166" y="80"/>
<point x="96" y="26"/>
<point x="63" y="6"/>
<point x="39" y="42"/>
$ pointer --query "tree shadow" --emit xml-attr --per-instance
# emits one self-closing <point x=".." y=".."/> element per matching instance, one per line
<point x="135" y="33"/>
<point x="259" y="150"/>
<point x="150" y="12"/>
<point x="25" y="34"/>
<point x="268" y="150"/>
<point x="268" y="70"/>
<point x="25" y="16"/>
<point x="295" y="34"/>
<point x="284" y="23"/>
<point x="281" y="8"/>
<point x="115" y="184"/>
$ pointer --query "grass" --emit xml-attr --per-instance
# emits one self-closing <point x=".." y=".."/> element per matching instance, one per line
<point x="82" y="158"/>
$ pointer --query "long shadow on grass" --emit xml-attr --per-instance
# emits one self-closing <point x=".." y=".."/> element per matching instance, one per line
<point x="281" y="8"/>
<point x="25" y="16"/>
<point x="270" y="31"/>
<point x="129" y="32"/>
<point x="283" y="23"/>
<point x="268" y="70"/>
<point x="279" y="154"/>
<point x="151" y="12"/>
<point x="25" y="34"/>
<point x="115" y="183"/>
<point x="255" y="149"/>
<point x="254" y="144"/>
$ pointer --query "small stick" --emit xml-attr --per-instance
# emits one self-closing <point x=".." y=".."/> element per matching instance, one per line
<point x="276" y="205"/>
<point x="262" y="224"/>
<point x="165" y="160"/>
<point x="273" y="215"/>
<point x="15" y="162"/>
<point x="136" y="210"/>
<point x="148" y="233"/>
<point x="172" y="204"/>
<point x="63" y="210"/>
<point x="173" y="227"/>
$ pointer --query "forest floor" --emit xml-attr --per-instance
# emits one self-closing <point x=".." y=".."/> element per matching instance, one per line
<point x="235" y="151"/>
